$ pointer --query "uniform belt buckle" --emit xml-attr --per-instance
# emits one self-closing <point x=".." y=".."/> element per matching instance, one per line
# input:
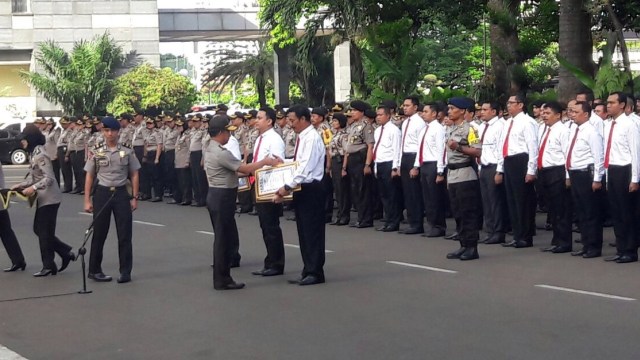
<point x="112" y="188"/>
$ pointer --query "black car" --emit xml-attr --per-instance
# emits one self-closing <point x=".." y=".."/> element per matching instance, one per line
<point x="11" y="151"/>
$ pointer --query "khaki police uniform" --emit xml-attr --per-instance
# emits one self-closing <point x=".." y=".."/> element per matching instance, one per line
<point x="152" y="179"/>
<point x="78" y="156"/>
<point x="184" y="191"/>
<point x="169" y="176"/>
<point x="360" y="134"/>
<point x="341" y="184"/>
<point x="198" y="176"/>
<point x="63" y="160"/>
<point x="51" y="147"/>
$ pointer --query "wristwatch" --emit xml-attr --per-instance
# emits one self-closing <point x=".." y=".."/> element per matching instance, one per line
<point x="287" y="187"/>
<point x="440" y="174"/>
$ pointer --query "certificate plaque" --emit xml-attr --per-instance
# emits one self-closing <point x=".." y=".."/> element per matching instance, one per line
<point x="244" y="184"/>
<point x="269" y="180"/>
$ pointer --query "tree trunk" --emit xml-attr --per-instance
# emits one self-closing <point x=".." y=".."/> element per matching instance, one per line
<point x="623" y="44"/>
<point x="357" y="72"/>
<point x="262" y="93"/>
<point x="576" y="46"/>
<point x="503" y="36"/>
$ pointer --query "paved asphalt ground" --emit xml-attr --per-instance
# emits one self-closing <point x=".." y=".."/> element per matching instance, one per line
<point x="387" y="296"/>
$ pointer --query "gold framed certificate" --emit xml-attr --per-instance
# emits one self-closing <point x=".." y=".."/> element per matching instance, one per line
<point x="269" y="180"/>
<point x="244" y="184"/>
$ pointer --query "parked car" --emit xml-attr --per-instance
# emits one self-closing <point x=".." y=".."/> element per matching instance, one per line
<point x="11" y="151"/>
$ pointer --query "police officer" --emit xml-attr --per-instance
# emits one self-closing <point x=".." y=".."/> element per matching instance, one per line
<point x="171" y="134"/>
<point x="127" y="130"/>
<point x="63" y="160"/>
<point x="464" y="189"/>
<point x="183" y="193"/>
<point x="288" y="135"/>
<point x="139" y="133"/>
<point x="195" y="160"/>
<point x="318" y="120"/>
<point x="111" y="165"/>
<point x="341" y="186"/>
<point x="79" y="156"/>
<point x="52" y="134"/>
<point x="222" y="176"/>
<point x="151" y="162"/>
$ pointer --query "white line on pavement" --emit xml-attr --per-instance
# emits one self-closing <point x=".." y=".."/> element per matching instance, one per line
<point x="298" y="247"/>
<point x="6" y="354"/>
<point x="147" y="223"/>
<point x="422" y="267"/>
<point x="583" y="292"/>
<point x="205" y="232"/>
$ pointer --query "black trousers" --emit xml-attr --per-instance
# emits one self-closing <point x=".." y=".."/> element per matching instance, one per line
<point x="269" y="217"/>
<point x="169" y="175"/>
<point x="44" y="226"/>
<point x="77" y="162"/>
<point x="152" y="179"/>
<point x="586" y="203"/>
<point x="9" y="240"/>
<point x="245" y="198"/>
<point x="183" y="191"/>
<point x="142" y="175"/>
<point x="434" y="196"/>
<point x="494" y="200"/>
<point x="465" y="207"/>
<point x="221" y="204"/>
<point x="388" y="189"/>
<point x="65" y="169"/>
<point x="412" y="192"/>
<point x="622" y="205"/>
<point x="56" y="169"/>
<point x="198" y="177"/>
<point x="521" y="197"/>
<point x="558" y="198"/>
<point x="360" y="186"/>
<point x="311" y="227"/>
<point x="341" y="189"/>
<point x="328" y="190"/>
<point x="116" y="202"/>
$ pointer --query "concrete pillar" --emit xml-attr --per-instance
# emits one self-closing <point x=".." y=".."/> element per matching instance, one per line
<point x="281" y="78"/>
<point x="342" y="71"/>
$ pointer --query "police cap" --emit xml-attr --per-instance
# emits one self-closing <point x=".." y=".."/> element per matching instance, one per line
<point x="110" y="123"/>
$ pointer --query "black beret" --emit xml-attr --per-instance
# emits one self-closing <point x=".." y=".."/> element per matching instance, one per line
<point x="319" y="111"/>
<point x="370" y="113"/>
<point x="359" y="105"/>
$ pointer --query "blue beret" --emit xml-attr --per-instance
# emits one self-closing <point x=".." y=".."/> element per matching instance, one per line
<point x="110" y="123"/>
<point x="460" y="102"/>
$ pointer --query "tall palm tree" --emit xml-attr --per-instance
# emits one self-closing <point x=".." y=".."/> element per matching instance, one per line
<point x="80" y="81"/>
<point x="234" y="65"/>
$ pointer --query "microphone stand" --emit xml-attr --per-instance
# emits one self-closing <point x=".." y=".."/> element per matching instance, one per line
<point x="83" y="249"/>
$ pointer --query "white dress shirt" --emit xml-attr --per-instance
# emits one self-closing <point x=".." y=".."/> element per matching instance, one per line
<point x="310" y="154"/>
<point x="491" y="145"/>
<point x="234" y="147"/>
<point x="434" y="145"/>
<point x="555" y="149"/>
<point x="522" y="140"/>
<point x="597" y="123"/>
<point x="271" y="144"/>
<point x="625" y="144"/>
<point x="587" y="150"/>
<point x="387" y="145"/>
<point x="410" y="131"/>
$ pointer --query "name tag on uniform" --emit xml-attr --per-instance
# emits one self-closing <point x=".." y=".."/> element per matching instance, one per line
<point x="122" y="153"/>
<point x="103" y="161"/>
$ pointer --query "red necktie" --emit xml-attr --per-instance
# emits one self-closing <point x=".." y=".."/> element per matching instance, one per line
<point x="375" y="149"/>
<point x="573" y="142"/>
<point x="257" y="151"/>
<point x="542" y="146"/>
<point x="505" y="146"/>
<point x="295" y="152"/>
<point x="422" y="144"/>
<point x="406" y="129"/>
<point x="482" y="140"/>
<point x="606" y="155"/>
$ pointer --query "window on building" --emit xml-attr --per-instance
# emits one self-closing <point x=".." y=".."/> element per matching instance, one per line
<point x="20" y="6"/>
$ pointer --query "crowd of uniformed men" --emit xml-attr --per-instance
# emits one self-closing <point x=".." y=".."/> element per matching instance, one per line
<point x="488" y="165"/>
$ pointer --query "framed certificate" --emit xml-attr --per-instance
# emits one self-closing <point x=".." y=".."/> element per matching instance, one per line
<point x="244" y="184"/>
<point x="269" y="180"/>
<point x="6" y="195"/>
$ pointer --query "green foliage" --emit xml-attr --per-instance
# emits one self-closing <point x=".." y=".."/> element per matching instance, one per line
<point x="443" y="94"/>
<point x="177" y="63"/>
<point x="242" y="96"/>
<point x="80" y="81"/>
<point x="542" y="68"/>
<point x="146" y="87"/>
<point x="545" y="96"/>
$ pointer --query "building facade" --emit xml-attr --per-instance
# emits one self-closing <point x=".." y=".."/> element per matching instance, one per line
<point x="25" y="23"/>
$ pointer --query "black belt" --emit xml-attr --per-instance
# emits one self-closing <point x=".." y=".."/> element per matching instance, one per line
<point x="62" y="146"/>
<point x="618" y="166"/>
<point x="489" y="165"/>
<point x="429" y="162"/>
<point x="111" y="188"/>
<point x="458" y="166"/>
<point x="549" y="168"/>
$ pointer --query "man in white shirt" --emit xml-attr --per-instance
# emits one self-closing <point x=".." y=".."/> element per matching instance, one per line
<point x="584" y="165"/>
<point x="494" y="200"/>
<point x="309" y="201"/>
<point x="386" y="157"/>
<point x="519" y="157"/>
<point x="552" y="177"/>
<point x="429" y="166"/>
<point x="411" y="185"/>
<point x="621" y="163"/>
<point x="269" y="144"/>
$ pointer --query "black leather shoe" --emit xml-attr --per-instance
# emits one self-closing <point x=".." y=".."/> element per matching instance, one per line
<point x="185" y="203"/>
<point x="548" y="249"/>
<point x="354" y="225"/>
<point x="434" y="234"/>
<point x="230" y="286"/>
<point x="453" y="236"/>
<point x="171" y="202"/>
<point x="67" y="259"/>
<point x="291" y="218"/>
<point x="45" y="272"/>
<point x="201" y="204"/>
<point x="578" y="253"/>
<point x="522" y="244"/>
<point x="561" y="250"/>
<point x="592" y="254"/>
<point x="100" y="277"/>
<point x="612" y="258"/>
<point x="391" y="229"/>
<point x="627" y="259"/>
<point x="495" y="239"/>
<point x="343" y="223"/>
<point x="456" y="254"/>
<point x="311" y="280"/>
<point x="66" y="191"/>
<point x="16" y="267"/>
<point x="363" y="226"/>
<point x="575" y="228"/>
<point x="124" y="278"/>
<point x="411" y="231"/>
<point x="295" y="281"/>
<point x="74" y="192"/>
<point x="337" y="222"/>
<point x="546" y="227"/>
<point x="471" y="253"/>
<point x="253" y="213"/>
<point x="511" y="243"/>
<point x="382" y="228"/>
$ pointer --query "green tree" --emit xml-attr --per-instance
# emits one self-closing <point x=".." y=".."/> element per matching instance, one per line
<point x="80" y="81"/>
<point x="146" y="87"/>
<point x="177" y="63"/>
<point x="233" y="66"/>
